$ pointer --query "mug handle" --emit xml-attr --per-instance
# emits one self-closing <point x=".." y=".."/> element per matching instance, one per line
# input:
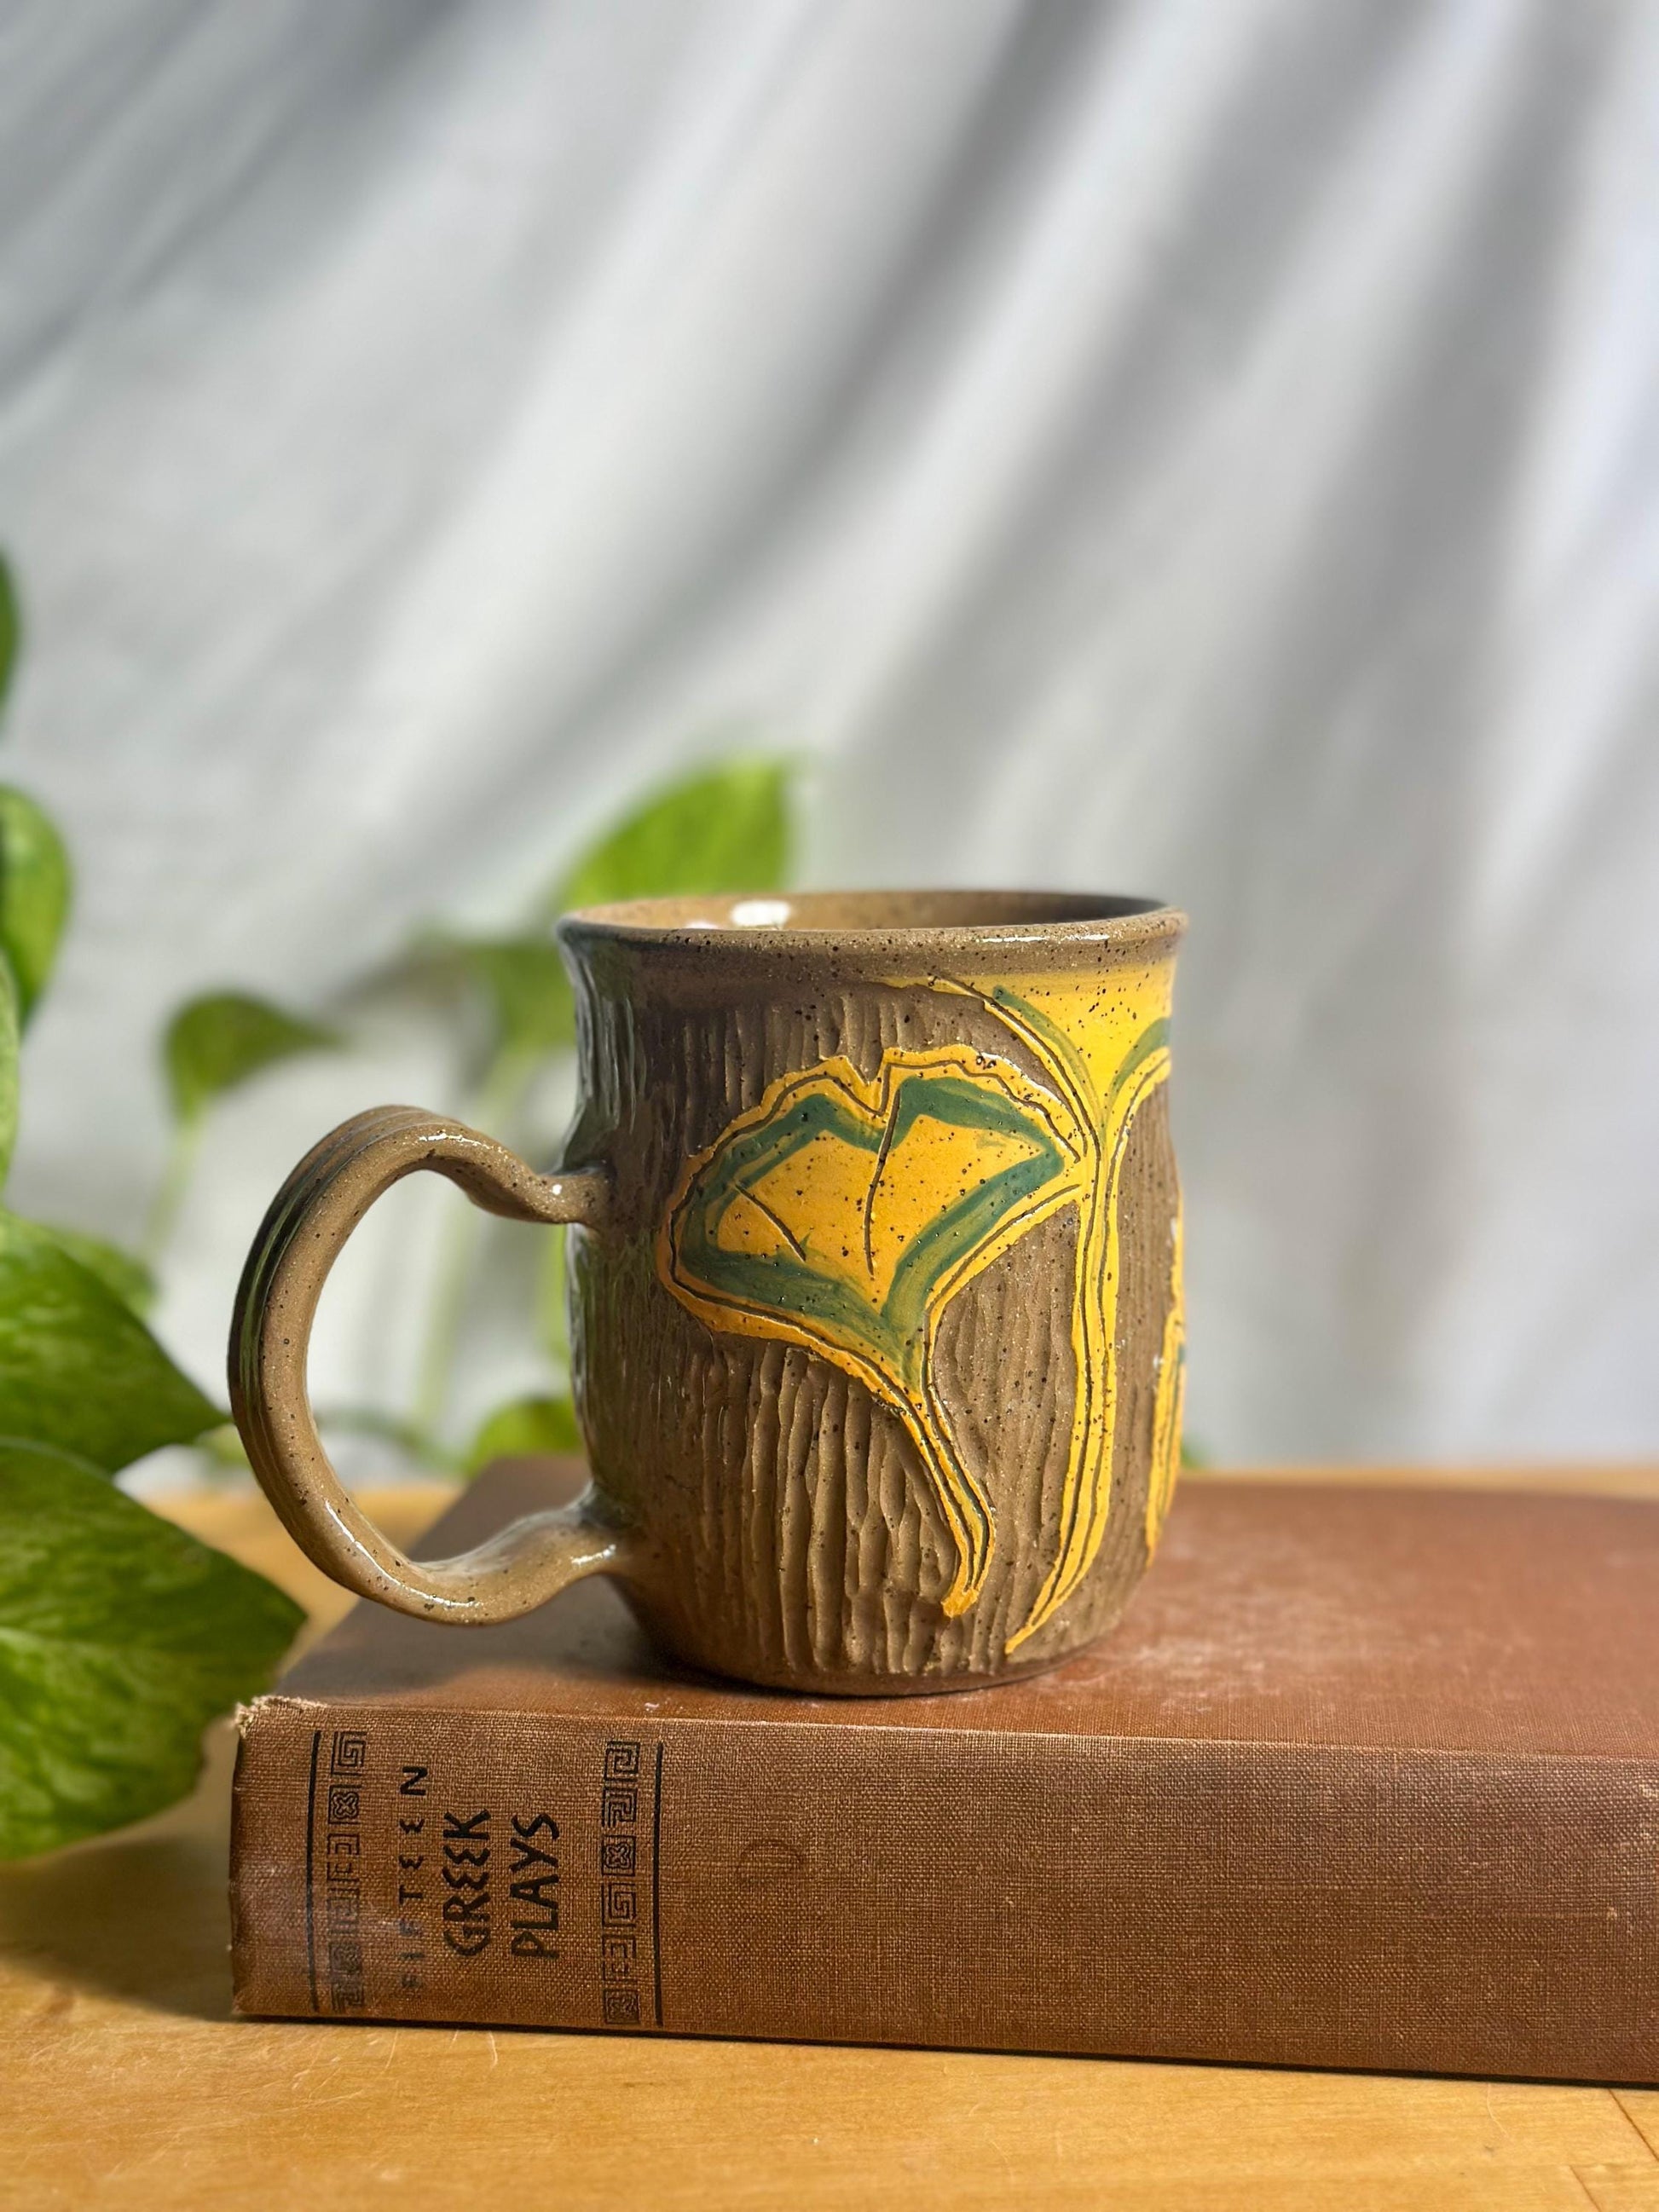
<point x="309" y="1220"/>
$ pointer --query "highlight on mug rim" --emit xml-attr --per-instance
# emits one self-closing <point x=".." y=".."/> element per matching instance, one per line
<point x="862" y="921"/>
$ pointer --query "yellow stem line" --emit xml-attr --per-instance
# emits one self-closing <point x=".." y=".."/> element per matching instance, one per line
<point x="1087" y="1491"/>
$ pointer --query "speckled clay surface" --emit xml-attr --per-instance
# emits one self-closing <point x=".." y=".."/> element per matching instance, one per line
<point x="876" y="1311"/>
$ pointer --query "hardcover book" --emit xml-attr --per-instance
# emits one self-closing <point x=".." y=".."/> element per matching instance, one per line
<point x="1367" y="1777"/>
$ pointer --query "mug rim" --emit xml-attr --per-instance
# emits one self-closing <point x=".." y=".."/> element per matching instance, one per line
<point x="776" y="922"/>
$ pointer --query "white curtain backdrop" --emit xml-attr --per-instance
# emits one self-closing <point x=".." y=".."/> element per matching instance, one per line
<point x="1211" y="449"/>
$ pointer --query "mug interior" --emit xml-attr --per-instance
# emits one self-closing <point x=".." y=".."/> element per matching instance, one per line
<point x="873" y="913"/>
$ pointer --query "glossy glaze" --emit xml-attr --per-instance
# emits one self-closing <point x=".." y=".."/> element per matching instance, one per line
<point x="877" y="1309"/>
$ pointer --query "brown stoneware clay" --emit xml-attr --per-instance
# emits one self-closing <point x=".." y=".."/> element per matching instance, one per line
<point x="876" y="1286"/>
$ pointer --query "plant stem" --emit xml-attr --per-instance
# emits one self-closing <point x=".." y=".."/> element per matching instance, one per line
<point x="417" y="1443"/>
<point x="170" y="1192"/>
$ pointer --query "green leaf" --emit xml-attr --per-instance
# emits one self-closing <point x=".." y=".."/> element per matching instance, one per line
<point x="79" y="1372"/>
<point x="213" y="1044"/>
<point x="528" y="991"/>
<point x="223" y="1450"/>
<point x="523" y="1427"/>
<point x="121" y="1638"/>
<point x="34" y="893"/>
<point x="119" y="1271"/>
<point x="9" y="1030"/>
<point x="725" y="830"/>
<point x="11" y="628"/>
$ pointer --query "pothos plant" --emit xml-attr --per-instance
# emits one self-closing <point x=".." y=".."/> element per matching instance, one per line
<point x="120" y="1636"/>
<point x="726" y="829"/>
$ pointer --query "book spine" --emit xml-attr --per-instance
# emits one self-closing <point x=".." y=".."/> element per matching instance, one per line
<point x="1247" y="1902"/>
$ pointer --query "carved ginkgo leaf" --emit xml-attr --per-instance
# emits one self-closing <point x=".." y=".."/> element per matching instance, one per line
<point x="843" y="1214"/>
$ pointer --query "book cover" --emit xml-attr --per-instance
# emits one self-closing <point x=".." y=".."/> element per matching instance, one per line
<point x="1366" y="1777"/>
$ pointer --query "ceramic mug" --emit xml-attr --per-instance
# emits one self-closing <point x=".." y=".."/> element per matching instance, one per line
<point x="876" y="1297"/>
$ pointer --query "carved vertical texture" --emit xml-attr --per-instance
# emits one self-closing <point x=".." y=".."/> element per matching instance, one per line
<point x="796" y="1538"/>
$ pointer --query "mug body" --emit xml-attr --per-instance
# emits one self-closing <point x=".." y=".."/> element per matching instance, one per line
<point x="878" y="1353"/>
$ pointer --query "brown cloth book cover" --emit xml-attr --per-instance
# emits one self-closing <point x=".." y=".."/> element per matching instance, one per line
<point x="1366" y="1777"/>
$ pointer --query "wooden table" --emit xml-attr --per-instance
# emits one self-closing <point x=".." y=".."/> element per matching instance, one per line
<point x="125" y="2082"/>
